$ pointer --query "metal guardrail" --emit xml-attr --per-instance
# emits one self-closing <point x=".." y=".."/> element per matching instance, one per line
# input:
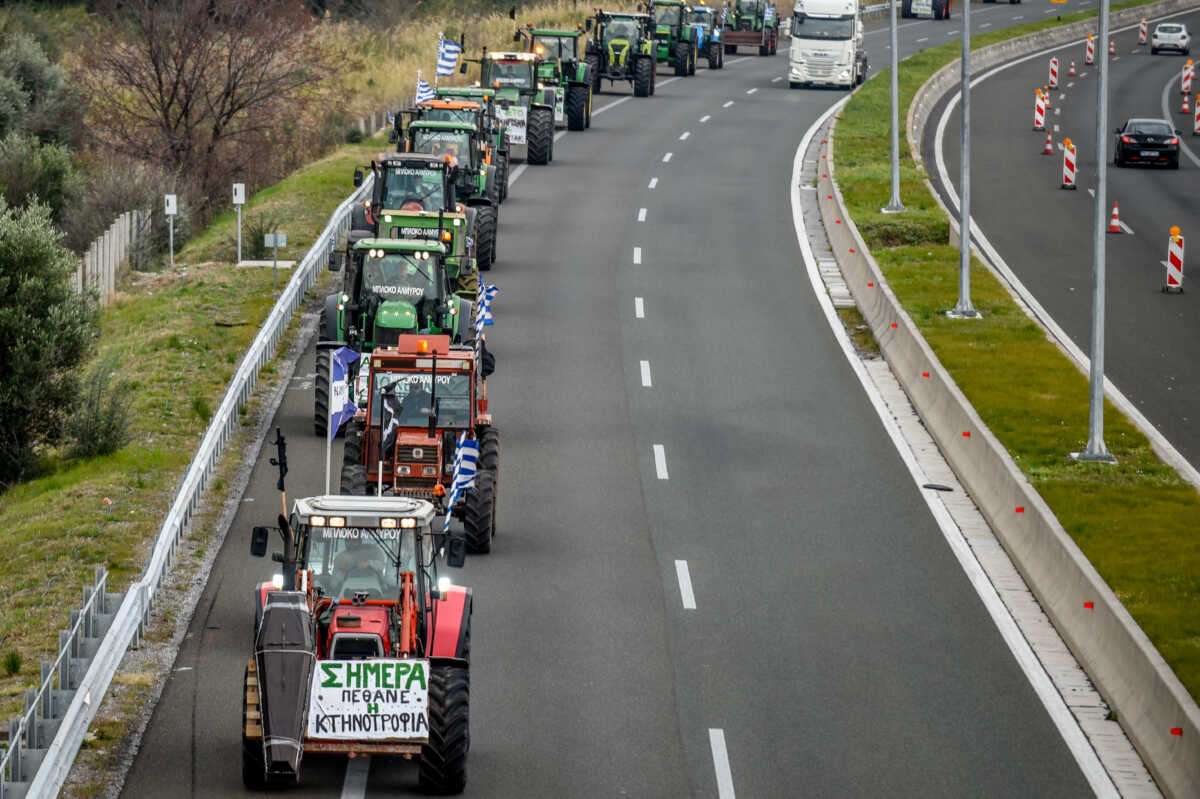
<point x="50" y="768"/>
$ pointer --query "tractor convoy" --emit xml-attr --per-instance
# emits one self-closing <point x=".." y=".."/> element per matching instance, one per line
<point x="359" y="646"/>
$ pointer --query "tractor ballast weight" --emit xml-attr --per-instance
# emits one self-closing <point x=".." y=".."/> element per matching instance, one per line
<point x="621" y="48"/>
<point x="752" y="23"/>
<point x="562" y="67"/>
<point x="364" y="650"/>
<point x="525" y="109"/>
<point x="675" y="42"/>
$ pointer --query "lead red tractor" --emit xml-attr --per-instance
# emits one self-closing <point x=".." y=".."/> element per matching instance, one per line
<point x="421" y="395"/>
<point x="359" y="647"/>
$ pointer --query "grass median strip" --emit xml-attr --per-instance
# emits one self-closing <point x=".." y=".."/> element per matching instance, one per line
<point x="1136" y="521"/>
<point x="178" y="335"/>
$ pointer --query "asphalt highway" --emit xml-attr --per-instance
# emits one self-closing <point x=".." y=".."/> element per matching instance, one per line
<point x="713" y="575"/>
<point x="1044" y="233"/>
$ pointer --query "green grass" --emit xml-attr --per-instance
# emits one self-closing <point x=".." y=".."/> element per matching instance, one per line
<point x="1136" y="521"/>
<point x="178" y="336"/>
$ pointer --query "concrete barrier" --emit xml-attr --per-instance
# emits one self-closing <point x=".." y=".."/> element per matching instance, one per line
<point x="1156" y="711"/>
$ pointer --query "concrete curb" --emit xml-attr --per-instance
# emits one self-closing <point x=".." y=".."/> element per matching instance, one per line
<point x="1149" y="699"/>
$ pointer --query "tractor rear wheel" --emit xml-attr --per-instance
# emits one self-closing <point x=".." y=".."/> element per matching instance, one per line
<point x="540" y="135"/>
<point x="480" y="513"/>
<point x="352" y="452"/>
<point x="443" y="761"/>
<point x="321" y="395"/>
<point x="354" y="479"/>
<point x="594" y="70"/>
<point x="714" y="55"/>
<point x="576" y="106"/>
<point x="485" y="237"/>
<point x="590" y="97"/>
<point x="489" y="459"/>
<point x="502" y="175"/>
<point x="643" y="76"/>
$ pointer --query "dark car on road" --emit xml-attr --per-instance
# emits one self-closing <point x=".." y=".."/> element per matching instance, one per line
<point x="1147" y="141"/>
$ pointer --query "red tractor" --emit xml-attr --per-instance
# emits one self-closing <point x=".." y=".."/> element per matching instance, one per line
<point x="421" y="396"/>
<point x="359" y="647"/>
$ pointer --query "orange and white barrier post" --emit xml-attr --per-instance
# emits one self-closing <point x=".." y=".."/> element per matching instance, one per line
<point x="1114" y="224"/>
<point x="1049" y="148"/>
<point x="1174" y="262"/>
<point x="1089" y="53"/>
<point x="1196" y="121"/>
<point x="1068" y="173"/>
<point x="1142" y="32"/>
<point x="1185" y="109"/>
<point x="1112" y="47"/>
<point x="1053" y="73"/>
<point x="1046" y="96"/>
<point x="1071" y="73"/>
<point x="1185" y="78"/>
<point x="1039" y="111"/>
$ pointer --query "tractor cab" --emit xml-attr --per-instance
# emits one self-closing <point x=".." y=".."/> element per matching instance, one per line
<point x="491" y="126"/>
<point x="561" y="68"/>
<point x="675" y="43"/>
<point x="749" y="15"/>
<point x="465" y="112"/>
<point x="525" y="107"/>
<point x="360" y="646"/>
<point x="464" y="144"/>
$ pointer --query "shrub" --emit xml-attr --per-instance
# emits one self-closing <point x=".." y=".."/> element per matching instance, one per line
<point x="12" y="662"/>
<point x="29" y="169"/>
<point x="101" y="422"/>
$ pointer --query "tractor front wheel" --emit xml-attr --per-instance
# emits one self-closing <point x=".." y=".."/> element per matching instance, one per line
<point x="502" y="174"/>
<point x="576" y="106"/>
<point x="480" y="513"/>
<point x="354" y="479"/>
<point x="321" y="395"/>
<point x="443" y="761"/>
<point x="485" y="237"/>
<point x="489" y="459"/>
<point x="714" y="55"/>
<point x="540" y="135"/>
<point x="594" y="71"/>
<point x="643" y="75"/>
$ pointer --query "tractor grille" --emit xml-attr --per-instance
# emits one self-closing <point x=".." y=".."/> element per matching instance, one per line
<point x="408" y="454"/>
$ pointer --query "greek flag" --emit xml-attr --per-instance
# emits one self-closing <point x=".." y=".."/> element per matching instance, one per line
<point x="341" y="405"/>
<point x="465" y="458"/>
<point x="769" y="14"/>
<point x="424" y="91"/>
<point x="483" y="307"/>
<point x="448" y="52"/>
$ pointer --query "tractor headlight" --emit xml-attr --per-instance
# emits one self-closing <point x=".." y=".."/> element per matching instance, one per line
<point x="387" y="217"/>
<point x="404" y="470"/>
<point x="277" y="580"/>
<point x="429" y="471"/>
<point x="444" y="584"/>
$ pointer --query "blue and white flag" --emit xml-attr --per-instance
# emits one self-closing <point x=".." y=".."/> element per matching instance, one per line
<point x="448" y="52"/>
<point x="769" y="14"/>
<point x="424" y="91"/>
<point x="465" y="459"/>
<point x="341" y="405"/>
<point x="483" y="307"/>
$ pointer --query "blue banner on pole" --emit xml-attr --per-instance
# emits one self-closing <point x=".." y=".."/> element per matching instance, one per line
<point x="341" y="404"/>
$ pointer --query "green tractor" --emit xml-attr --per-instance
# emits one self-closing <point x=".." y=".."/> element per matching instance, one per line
<point x="753" y="23"/>
<point x="621" y="48"/>
<point x="562" y="68"/>
<point x="391" y="287"/>
<point x="486" y="97"/>
<point x="475" y="181"/>
<point x="675" y="42"/>
<point x="524" y="107"/>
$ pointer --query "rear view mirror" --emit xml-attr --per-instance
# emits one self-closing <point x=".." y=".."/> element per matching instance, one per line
<point x="1116" y="130"/>
<point x="358" y="176"/>
<point x="335" y="261"/>
<point x="456" y="551"/>
<point x="463" y="69"/>
<point x="517" y="36"/>
<point x="259" y="537"/>
<point x="512" y="13"/>
<point x="393" y="137"/>
<point x="589" y="24"/>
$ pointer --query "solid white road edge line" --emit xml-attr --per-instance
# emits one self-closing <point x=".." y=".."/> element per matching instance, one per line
<point x="720" y="756"/>
<point x="685" y="585"/>
<point x="639" y="308"/>
<point x="354" y="786"/>
<point x="660" y="462"/>
<point x="637" y="255"/>
<point x="1057" y="709"/>
<point x="1165" y="449"/>
<point x="646" y="374"/>
<point x="1183" y="148"/>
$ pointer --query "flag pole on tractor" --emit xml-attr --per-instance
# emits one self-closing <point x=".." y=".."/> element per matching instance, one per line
<point x="341" y="405"/>
<point x="438" y="71"/>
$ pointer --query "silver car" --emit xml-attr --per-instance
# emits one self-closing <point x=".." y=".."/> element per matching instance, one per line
<point x="1171" y="36"/>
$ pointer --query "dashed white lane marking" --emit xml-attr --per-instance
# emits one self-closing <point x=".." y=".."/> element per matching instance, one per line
<point x="641" y="214"/>
<point x="1069" y="85"/>
<point x="752" y="91"/>
<point x="646" y="374"/>
<point x="726" y="105"/>
<point x="685" y="585"/>
<point x="653" y="183"/>
<point x="1019" y="16"/>
<point x="986" y="25"/>
<point x="923" y="39"/>
<point x="1083" y="74"/>
<point x="720" y="755"/>
<point x="667" y="157"/>
<point x="1049" y="11"/>
<point x="354" y="786"/>
<point x="705" y="118"/>
<point x="660" y="461"/>
<point x="1057" y="111"/>
<point x="639" y="308"/>
<point x="1056" y="131"/>
<point x="684" y="136"/>
<point x="776" y="79"/>
<point x="1062" y="96"/>
<point x="637" y="255"/>
<point x="1116" y="58"/>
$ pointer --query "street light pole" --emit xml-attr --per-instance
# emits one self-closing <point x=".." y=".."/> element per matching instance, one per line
<point x="895" y="206"/>
<point x="1096" y="451"/>
<point x="964" y="309"/>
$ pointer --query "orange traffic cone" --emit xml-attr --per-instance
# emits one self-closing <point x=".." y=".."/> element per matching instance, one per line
<point x="1112" y="47"/>
<point x="1049" y="148"/>
<point x="1072" y="72"/>
<point x="1114" y="224"/>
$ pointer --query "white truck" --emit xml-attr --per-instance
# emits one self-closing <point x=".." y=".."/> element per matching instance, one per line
<point x="826" y="44"/>
<point x="929" y="9"/>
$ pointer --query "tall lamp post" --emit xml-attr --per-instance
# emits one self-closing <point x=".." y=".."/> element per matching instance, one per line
<point x="963" y="309"/>
<point x="895" y="206"/>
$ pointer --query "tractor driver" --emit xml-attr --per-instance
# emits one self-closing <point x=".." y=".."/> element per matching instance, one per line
<point x="414" y="408"/>
<point x="361" y="558"/>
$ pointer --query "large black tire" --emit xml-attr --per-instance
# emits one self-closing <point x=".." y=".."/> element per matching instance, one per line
<point x="354" y="480"/>
<point x="906" y="8"/>
<point x="643" y="77"/>
<point x="352" y="451"/>
<point x="682" y="59"/>
<point x="479" y="513"/>
<point x="489" y="459"/>
<point x="321" y="395"/>
<point x="485" y="237"/>
<point x="714" y="55"/>
<point x="358" y="218"/>
<point x="594" y="70"/>
<point x="502" y="174"/>
<point x="577" y="106"/>
<point x="693" y="56"/>
<point x="540" y="135"/>
<point x="442" y="766"/>
<point x="329" y="323"/>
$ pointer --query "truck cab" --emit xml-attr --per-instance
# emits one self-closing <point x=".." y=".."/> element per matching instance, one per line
<point x="826" y="44"/>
